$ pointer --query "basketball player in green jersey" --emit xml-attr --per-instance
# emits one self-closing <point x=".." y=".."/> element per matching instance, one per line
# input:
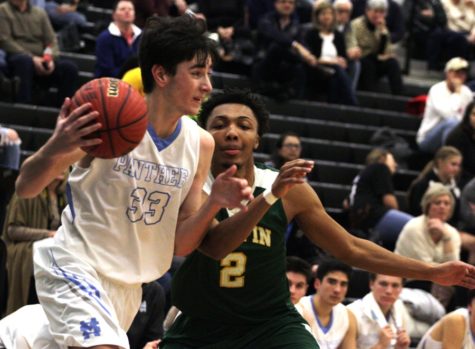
<point x="236" y="295"/>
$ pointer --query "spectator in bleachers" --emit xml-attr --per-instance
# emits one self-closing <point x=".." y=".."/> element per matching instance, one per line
<point x="27" y="221"/>
<point x="343" y="10"/>
<point x="445" y="106"/>
<point x="431" y="35"/>
<point x="430" y="238"/>
<point x="461" y="20"/>
<point x="227" y="19"/>
<point x="377" y="56"/>
<point x="288" y="147"/>
<point x="372" y="203"/>
<point x="445" y="169"/>
<point x="299" y="276"/>
<point x="65" y="12"/>
<point x="380" y="315"/>
<point x="25" y="34"/>
<point x="9" y="163"/>
<point x="467" y="209"/>
<point x="256" y="9"/>
<point x="333" y="325"/>
<point x="147" y="8"/>
<point x="147" y="328"/>
<point x="117" y="46"/>
<point x="454" y="330"/>
<point x="394" y="17"/>
<point x="462" y="137"/>
<point x="327" y="44"/>
<point x="279" y="70"/>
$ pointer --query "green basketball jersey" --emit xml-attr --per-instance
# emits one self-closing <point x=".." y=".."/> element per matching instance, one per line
<point x="249" y="285"/>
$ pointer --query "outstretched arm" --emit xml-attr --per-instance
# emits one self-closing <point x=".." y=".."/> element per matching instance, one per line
<point x="60" y="151"/>
<point x="303" y="204"/>
<point x="229" y="234"/>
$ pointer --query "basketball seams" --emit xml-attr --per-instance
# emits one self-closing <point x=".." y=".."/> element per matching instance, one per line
<point x="110" y="98"/>
<point x="105" y="117"/>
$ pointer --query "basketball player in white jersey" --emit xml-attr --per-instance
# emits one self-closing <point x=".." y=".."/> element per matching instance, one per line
<point x="332" y="324"/>
<point x="455" y="330"/>
<point x="128" y="216"/>
<point x="381" y="315"/>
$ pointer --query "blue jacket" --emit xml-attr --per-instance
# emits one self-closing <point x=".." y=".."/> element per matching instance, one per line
<point x="112" y="51"/>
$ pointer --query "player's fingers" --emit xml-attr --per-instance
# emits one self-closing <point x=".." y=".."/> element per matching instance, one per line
<point x="79" y="111"/>
<point x="296" y="171"/>
<point x="90" y="142"/>
<point x="229" y="172"/>
<point x="88" y="130"/>
<point x="64" y="111"/>
<point x="85" y="120"/>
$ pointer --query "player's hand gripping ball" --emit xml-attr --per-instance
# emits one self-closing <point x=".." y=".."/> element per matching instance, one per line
<point x="122" y="114"/>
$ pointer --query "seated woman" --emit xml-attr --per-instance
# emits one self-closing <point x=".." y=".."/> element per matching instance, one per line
<point x="328" y="45"/>
<point x="429" y="237"/>
<point x="287" y="148"/>
<point x="444" y="169"/>
<point x="454" y="330"/>
<point x="27" y="221"/>
<point x="372" y="203"/>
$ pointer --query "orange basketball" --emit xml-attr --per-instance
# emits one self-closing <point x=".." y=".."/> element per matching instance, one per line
<point x="122" y="114"/>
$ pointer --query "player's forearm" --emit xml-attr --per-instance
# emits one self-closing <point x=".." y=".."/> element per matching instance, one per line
<point x="231" y="232"/>
<point x="370" y="256"/>
<point x="39" y="170"/>
<point x="192" y="229"/>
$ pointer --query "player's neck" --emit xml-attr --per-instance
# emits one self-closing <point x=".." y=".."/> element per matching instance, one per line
<point x="162" y="116"/>
<point x="323" y="309"/>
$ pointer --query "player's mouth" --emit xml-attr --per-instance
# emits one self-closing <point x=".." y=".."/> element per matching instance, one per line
<point x="232" y="151"/>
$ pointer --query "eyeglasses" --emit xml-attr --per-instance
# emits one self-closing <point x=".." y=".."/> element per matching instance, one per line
<point x="343" y="10"/>
<point x="292" y="2"/>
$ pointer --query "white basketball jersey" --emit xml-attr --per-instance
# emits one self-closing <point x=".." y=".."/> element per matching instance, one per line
<point x="337" y="328"/>
<point x="122" y="212"/>
<point x="468" y="343"/>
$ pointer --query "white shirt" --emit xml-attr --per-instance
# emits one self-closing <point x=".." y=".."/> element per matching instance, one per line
<point x="337" y="328"/>
<point x="415" y="242"/>
<point x="441" y="105"/>
<point x="328" y="47"/>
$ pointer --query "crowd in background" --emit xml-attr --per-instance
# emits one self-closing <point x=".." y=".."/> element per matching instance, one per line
<point x="289" y="49"/>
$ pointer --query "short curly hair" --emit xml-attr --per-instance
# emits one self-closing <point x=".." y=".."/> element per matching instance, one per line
<point x="237" y="96"/>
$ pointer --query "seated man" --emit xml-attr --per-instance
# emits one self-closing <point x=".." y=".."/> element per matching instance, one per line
<point x="333" y="325"/>
<point x="380" y="315"/>
<point x="377" y="56"/>
<point x="454" y="330"/>
<point x="117" y="46"/>
<point x="25" y="35"/>
<point x="299" y="276"/>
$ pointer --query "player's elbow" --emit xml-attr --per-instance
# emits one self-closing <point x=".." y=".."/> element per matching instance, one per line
<point x="23" y="190"/>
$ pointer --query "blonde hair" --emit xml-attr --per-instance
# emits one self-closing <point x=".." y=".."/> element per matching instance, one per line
<point x="434" y="191"/>
<point x="377" y="155"/>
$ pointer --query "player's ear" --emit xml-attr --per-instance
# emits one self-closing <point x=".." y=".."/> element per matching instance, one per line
<point x="257" y="142"/>
<point x="159" y="75"/>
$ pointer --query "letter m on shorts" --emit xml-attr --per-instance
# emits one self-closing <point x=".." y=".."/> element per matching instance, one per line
<point x="90" y="328"/>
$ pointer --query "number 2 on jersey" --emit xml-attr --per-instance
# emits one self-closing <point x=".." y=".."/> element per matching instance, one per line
<point x="232" y="271"/>
<point x="149" y="207"/>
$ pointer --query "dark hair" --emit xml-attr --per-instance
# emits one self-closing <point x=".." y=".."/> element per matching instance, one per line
<point x="331" y="265"/>
<point x="373" y="276"/>
<point x="277" y="160"/>
<point x="465" y="124"/>
<point x="116" y="3"/>
<point x="470" y="296"/>
<point x="299" y="266"/>
<point x="169" y="41"/>
<point x="238" y="96"/>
